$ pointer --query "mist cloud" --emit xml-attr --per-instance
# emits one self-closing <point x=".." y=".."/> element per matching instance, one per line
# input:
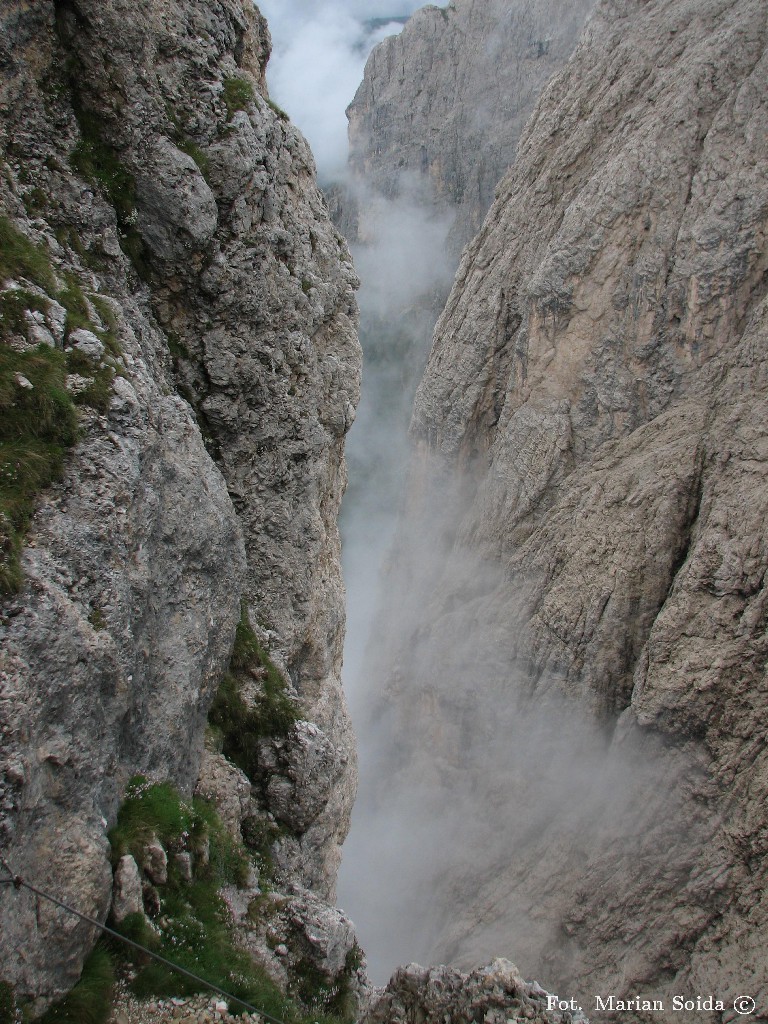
<point x="496" y="814"/>
<point x="319" y="53"/>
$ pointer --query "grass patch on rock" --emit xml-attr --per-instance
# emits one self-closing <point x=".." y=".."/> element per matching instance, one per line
<point x="99" y="162"/>
<point x="15" y="303"/>
<point x="90" y="1001"/>
<point x="98" y="393"/>
<point x="193" y="927"/>
<point x="238" y="93"/>
<point x="277" y="110"/>
<point x="38" y="423"/>
<point x="242" y="723"/>
<point x="38" y="415"/>
<point x="72" y="297"/>
<point x="94" y="159"/>
<point x="332" y="999"/>
<point x="19" y="257"/>
<point x="191" y="148"/>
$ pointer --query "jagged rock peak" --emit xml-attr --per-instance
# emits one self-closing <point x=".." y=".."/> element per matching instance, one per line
<point x="495" y="994"/>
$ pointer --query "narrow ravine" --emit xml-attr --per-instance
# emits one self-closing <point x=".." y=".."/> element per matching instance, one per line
<point x="406" y="222"/>
<point x="553" y="530"/>
<point x="547" y="692"/>
<point x="401" y="255"/>
<point x="570" y="661"/>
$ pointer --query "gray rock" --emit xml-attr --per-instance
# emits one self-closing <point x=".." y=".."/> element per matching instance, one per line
<point x="323" y="935"/>
<point x="87" y="343"/>
<point x="40" y="335"/>
<point x="154" y="862"/>
<point x="270" y="370"/>
<point x="176" y="210"/>
<point x="147" y="524"/>
<point x="442" y="104"/>
<point x="126" y="889"/>
<point x="300" y="772"/>
<point x="228" y="788"/>
<point x="76" y="384"/>
<point x="183" y="862"/>
<point x="496" y="994"/>
<point x="56" y="319"/>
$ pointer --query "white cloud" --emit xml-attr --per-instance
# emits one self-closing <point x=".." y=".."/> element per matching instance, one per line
<point x="319" y="53"/>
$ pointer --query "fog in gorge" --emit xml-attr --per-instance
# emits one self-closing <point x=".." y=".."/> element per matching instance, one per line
<point x="399" y="248"/>
<point x="469" y="773"/>
<point x="400" y="252"/>
<point x="319" y="52"/>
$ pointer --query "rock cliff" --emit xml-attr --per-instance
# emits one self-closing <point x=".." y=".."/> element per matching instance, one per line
<point x="433" y="128"/>
<point x="583" y="561"/>
<point x="441" y="106"/>
<point x="165" y="242"/>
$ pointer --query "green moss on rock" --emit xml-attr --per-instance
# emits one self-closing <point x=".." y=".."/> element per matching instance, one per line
<point x="238" y="93"/>
<point x="38" y="423"/>
<point x="90" y="1001"/>
<point x="19" y="257"/>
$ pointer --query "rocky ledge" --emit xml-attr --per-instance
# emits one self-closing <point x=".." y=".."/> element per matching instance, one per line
<point x="496" y="994"/>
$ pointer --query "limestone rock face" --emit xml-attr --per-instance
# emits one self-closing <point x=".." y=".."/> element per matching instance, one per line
<point x="593" y="412"/>
<point x="289" y="930"/>
<point x="442" y="105"/>
<point x="141" y="157"/>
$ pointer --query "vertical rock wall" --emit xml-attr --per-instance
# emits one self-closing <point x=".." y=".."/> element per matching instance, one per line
<point x="141" y="155"/>
<point x="442" y="105"/>
<point x="594" y="408"/>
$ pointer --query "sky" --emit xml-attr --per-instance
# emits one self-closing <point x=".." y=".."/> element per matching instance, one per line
<point x="319" y="52"/>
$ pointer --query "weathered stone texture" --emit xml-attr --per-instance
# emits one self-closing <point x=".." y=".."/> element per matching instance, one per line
<point x="598" y="380"/>
<point x="217" y="471"/>
<point x="496" y="994"/>
<point x="442" y="104"/>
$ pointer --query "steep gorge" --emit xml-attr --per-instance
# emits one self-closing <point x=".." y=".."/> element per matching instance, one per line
<point x="571" y="659"/>
<point x="433" y="127"/>
<point x="575" y="697"/>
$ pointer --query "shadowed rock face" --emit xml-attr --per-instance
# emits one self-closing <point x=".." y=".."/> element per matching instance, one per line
<point x="442" y="105"/>
<point x="140" y="153"/>
<point x="594" y="405"/>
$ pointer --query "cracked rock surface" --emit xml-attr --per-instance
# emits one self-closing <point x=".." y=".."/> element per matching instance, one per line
<point x="442" y="104"/>
<point x="496" y="994"/>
